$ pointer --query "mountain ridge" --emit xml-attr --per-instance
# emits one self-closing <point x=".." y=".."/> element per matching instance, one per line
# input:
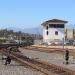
<point x="34" y="30"/>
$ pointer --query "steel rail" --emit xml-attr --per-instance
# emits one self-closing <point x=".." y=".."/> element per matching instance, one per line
<point x="49" y="69"/>
<point x="48" y="50"/>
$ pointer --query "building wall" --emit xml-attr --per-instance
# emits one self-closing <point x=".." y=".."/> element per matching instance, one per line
<point x="51" y="35"/>
<point x="70" y="34"/>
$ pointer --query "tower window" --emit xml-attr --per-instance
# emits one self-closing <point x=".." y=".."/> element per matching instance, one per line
<point x="47" y="27"/>
<point x="47" y="32"/>
<point x="56" y="25"/>
<point x="56" y="32"/>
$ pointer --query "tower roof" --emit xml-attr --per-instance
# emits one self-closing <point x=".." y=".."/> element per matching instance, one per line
<point x="54" y="21"/>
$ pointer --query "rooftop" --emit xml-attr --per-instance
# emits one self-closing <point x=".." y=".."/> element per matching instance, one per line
<point x="54" y="21"/>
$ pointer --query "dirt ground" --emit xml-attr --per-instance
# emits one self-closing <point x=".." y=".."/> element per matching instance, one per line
<point x="54" y="58"/>
<point x="16" y="69"/>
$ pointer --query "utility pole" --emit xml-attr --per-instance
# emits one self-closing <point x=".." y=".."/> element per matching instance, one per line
<point x="63" y="48"/>
<point x="63" y="43"/>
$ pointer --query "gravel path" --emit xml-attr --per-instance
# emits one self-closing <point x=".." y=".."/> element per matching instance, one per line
<point x="53" y="58"/>
<point x="17" y="69"/>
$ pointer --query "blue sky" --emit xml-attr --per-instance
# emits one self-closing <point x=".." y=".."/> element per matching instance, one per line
<point x="31" y="13"/>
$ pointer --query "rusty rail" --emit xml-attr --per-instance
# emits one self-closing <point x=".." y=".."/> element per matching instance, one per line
<point x="41" y="49"/>
<point x="49" y="69"/>
<point x="47" y="50"/>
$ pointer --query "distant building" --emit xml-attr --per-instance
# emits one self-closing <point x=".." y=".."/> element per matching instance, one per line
<point x="53" y="31"/>
<point x="70" y="34"/>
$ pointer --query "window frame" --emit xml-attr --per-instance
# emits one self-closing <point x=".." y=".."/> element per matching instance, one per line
<point x="47" y="27"/>
<point x="56" y="25"/>
<point x="47" y="32"/>
<point x="56" y="32"/>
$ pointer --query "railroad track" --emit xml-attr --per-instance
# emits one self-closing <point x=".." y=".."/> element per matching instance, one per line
<point x="48" y="50"/>
<point x="41" y="49"/>
<point x="48" y="69"/>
